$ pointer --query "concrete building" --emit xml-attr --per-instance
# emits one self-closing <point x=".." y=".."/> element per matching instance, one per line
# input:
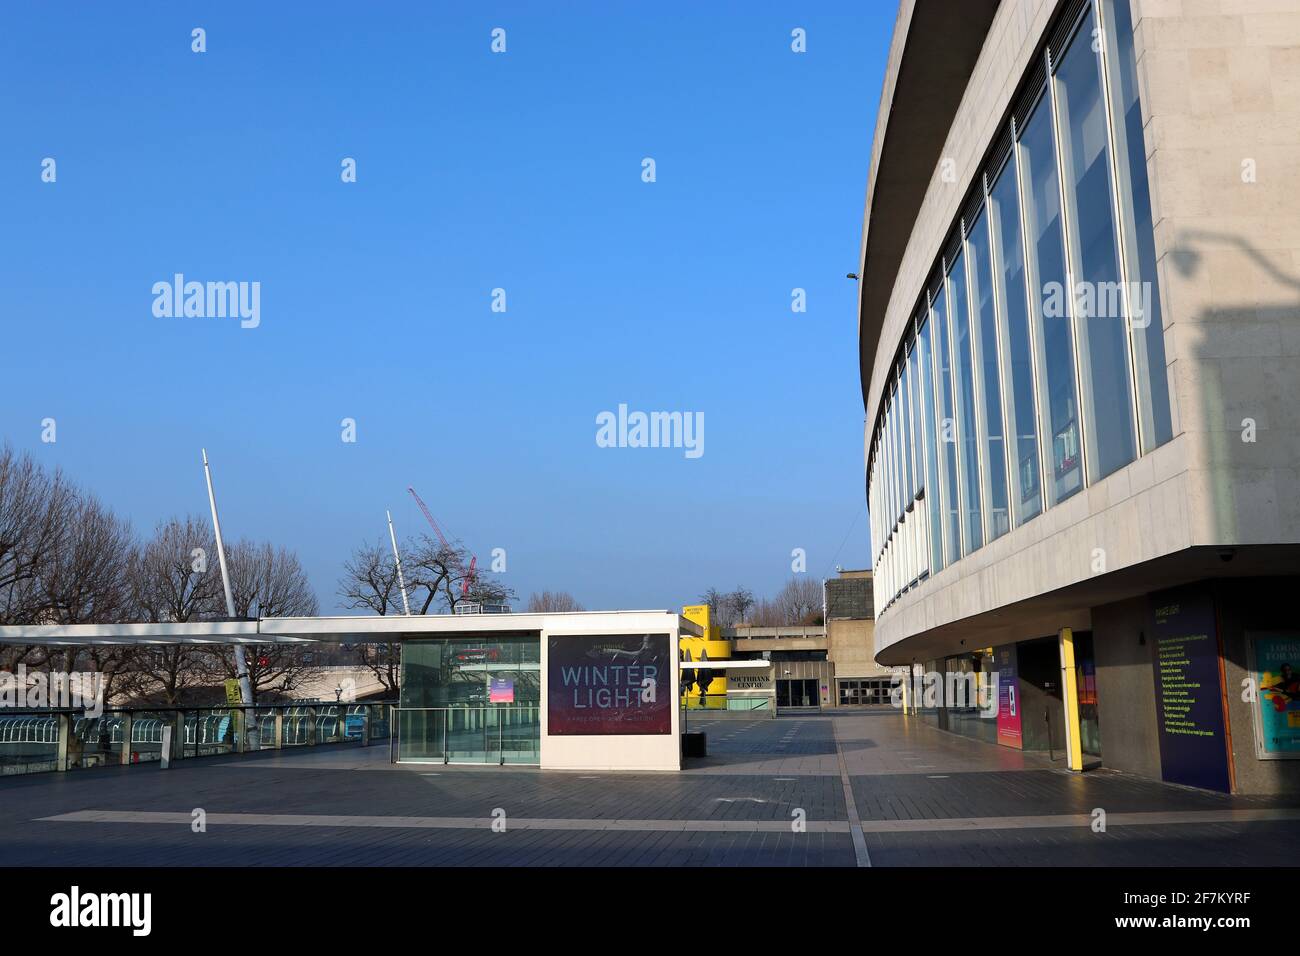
<point x="821" y="665"/>
<point x="1079" y="327"/>
<point x="802" y="675"/>
<point x="851" y="640"/>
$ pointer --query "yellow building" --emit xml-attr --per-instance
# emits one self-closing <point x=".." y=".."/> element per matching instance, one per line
<point x="712" y="647"/>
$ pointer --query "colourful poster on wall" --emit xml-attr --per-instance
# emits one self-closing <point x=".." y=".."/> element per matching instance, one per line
<point x="501" y="690"/>
<point x="1004" y="659"/>
<point x="1189" y="691"/>
<point x="619" y="684"/>
<point x="1275" y="665"/>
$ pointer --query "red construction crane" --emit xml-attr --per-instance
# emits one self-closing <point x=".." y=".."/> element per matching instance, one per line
<point x="442" y="539"/>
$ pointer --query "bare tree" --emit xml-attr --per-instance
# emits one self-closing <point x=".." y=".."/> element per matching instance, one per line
<point x="370" y="580"/>
<point x="765" y="613"/>
<point x="164" y="674"/>
<point x="482" y="590"/>
<point x="436" y="575"/>
<point x="268" y="582"/>
<point x="113" y="661"/>
<point x="384" y="661"/>
<point x="432" y="571"/>
<point x="800" y="600"/>
<point x="35" y="510"/>
<point x="274" y="670"/>
<point x="64" y="558"/>
<point x="174" y="577"/>
<point x="719" y="606"/>
<point x="85" y="577"/>
<point x="553" y="602"/>
<point x="740" y="601"/>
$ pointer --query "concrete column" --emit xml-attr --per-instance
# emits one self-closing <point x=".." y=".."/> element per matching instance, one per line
<point x="65" y="738"/>
<point x="128" y="722"/>
<point x="311" y="726"/>
<point x="178" y="736"/>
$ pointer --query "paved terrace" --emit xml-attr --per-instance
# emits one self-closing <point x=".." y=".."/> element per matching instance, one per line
<point x="877" y="789"/>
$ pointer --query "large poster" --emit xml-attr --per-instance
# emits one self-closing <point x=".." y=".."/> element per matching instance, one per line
<point x="1004" y="660"/>
<point x="1275" y="661"/>
<point x="609" y="684"/>
<point x="1189" y="691"/>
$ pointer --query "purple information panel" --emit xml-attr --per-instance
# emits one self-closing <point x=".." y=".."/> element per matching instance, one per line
<point x="1189" y="693"/>
<point x="601" y="684"/>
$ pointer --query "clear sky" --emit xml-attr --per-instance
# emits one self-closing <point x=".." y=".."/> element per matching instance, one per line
<point x="475" y="171"/>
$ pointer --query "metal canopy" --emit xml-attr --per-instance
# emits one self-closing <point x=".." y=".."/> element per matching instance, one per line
<point x="340" y="630"/>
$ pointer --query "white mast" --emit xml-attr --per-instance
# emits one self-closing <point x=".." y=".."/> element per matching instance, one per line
<point x="241" y="665"/>
<point x="397" y="559"/>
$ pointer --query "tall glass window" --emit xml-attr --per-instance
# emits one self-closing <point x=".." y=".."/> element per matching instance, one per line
<point x="449" y="711"/>
<point x="1050" y="304"/>
<point x="964" y="385"/>
<point x="895" y="456"/>
<point x="887" y="473"/>
<point x="904" y="411"/>
<point x="884" y="476"/>
<point x="945" y="430"/>
<point x="900" y="448"/>
<point x="989" y="397"/>
<point x="1148" y="336"/>
<point x="925" y="373"/>
<point x="1004" y="217"/>
<point x="918" y="454"/>
<point x="1100" y="315"/>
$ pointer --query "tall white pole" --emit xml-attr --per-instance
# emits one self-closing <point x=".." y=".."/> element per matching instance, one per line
<point x="397" y="559"/>
<point x="241" y="664"/>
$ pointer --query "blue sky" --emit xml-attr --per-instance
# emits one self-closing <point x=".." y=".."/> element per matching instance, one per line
<point x="475" y="171"/>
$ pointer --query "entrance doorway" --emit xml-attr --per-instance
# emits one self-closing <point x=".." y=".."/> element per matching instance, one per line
<point x="799" y="692"/>
<point x="1042" y="724"/>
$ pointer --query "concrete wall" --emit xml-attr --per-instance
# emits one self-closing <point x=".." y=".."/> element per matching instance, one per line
<point x="1126" y="706"/>
<point x="1220" y="89"/>
<point x="851" y="646"/>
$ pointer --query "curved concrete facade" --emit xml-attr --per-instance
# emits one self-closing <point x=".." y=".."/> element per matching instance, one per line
<point x="1216" y="90"/>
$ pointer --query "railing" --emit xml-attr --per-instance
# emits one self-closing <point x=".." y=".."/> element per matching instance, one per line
<point x="37" y="741"/>
<point x="500" y="734"/>
<point x="730" y="702"/>
<point x="471" y="607"/>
